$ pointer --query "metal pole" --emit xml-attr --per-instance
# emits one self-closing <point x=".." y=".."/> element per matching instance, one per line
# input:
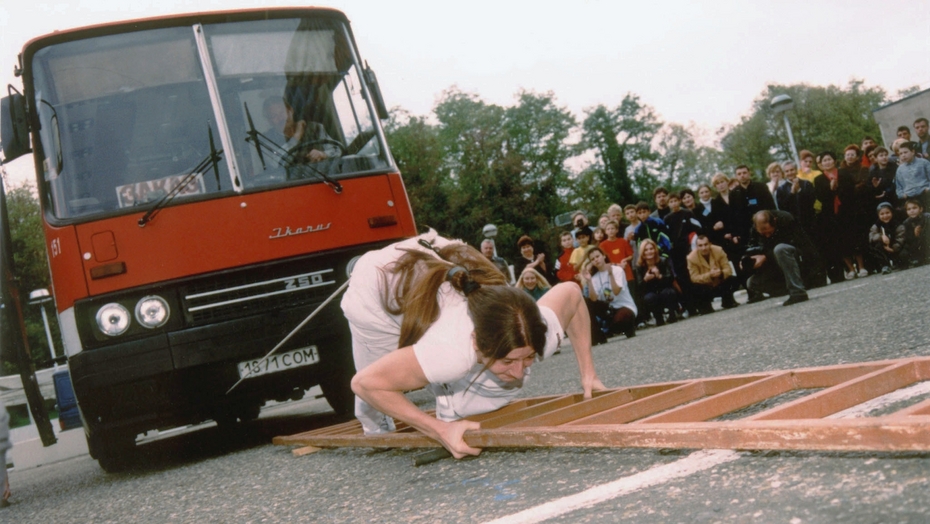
<point x="48" y="333"/>
<point x="794" y="149"/>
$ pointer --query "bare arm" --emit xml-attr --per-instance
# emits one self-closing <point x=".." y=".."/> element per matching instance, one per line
<point x="566" y="301"/>
<point x="382" y="385"/>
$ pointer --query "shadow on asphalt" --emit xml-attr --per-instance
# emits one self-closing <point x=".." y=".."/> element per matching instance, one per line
<point x="213" y="441"/>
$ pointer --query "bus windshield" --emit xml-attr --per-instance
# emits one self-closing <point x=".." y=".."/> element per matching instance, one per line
<point x="204" y="110"/>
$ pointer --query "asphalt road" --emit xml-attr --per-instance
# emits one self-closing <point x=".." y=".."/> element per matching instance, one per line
<point x="213" y="476"/>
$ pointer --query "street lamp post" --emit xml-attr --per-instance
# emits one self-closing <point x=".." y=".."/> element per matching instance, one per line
<point x="40" y="297"/>
<point x="781" y="104"/>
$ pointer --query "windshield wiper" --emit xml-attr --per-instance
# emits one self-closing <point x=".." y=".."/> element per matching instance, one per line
<point x="264" y="144"/>
<point x="213" y="158"/>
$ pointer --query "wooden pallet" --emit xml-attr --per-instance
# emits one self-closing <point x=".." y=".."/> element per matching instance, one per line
<point x="778" y="410"/>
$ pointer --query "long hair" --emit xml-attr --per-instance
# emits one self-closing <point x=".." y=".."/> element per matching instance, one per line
<point x="418" y="276"/>
<point x="641" y="260"/>
<point x="541" y="281"/>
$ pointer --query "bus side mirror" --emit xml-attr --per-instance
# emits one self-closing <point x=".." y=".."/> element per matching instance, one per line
<point x="14" y="131"/>
<point x="375" y="91"/>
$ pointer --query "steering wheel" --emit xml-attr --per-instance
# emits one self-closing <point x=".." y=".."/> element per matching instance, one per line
<point x="298" y="154"/>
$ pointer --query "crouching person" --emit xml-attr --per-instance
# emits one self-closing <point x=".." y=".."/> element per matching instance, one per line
<point x="608" y="295"/>
<point x="711" y="276"/>
<point x="786" y="261"/>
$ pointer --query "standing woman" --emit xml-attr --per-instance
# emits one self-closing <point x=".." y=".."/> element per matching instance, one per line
<point x="836" y="193"/>
<point x="529" y="258"/>
<point x="462" y="333"/>
<point x="656" y="283"/>
<point x="776" y="177"/>
<point x="861" y="209"/>
<point x="728" y="215"/>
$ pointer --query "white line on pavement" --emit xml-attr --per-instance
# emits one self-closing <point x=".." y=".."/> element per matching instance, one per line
<point x="691" y="464"/>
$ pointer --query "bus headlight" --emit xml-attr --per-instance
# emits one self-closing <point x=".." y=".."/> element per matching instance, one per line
<point x="351" y="265"/>
<point x="152" y="312"/>
<point x="113" y="319"/>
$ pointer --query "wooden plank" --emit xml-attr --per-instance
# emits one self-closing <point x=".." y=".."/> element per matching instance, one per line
<point x="845" y="395"/>
<point x="596" y="405"/>
<point x="729" y="400"/>
<point x="306" y="450"/>
<point x="827" y="377"/>
<point x="861" y="434"/>
<point x="529" y="412"/>
<point x="645" y="406"/>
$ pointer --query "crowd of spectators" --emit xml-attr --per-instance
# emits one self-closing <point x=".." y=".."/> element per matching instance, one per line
<point x="831" y="218"/>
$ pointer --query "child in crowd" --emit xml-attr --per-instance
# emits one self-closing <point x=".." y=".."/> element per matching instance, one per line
<point x="630" y="232"/>
<point x="599" y="236"/>
<point x="886" y="238"/>
<point x="579" y="255"/>
<point x="533" y="283"/>
<point x="615" y="213"/>
<point x="912" y="179"/>
<point x="882" y="172"/>
<point x="916" y="248"/>
<point x="564" y="270"/>
<point x="618" y="250"/>
<point x="652" y="228"/>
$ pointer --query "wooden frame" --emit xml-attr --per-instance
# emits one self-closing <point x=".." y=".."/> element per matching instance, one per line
<point x="682" y="415"/>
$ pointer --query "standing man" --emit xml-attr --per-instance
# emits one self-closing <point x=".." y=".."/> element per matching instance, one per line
<point x="660" y="196"/>
<point x="785" y="257"/>
<point x="796" y="196"/>
<point x="487" y="249"/>
<point x="750" y="197"/>
<point x="923" y="137"/>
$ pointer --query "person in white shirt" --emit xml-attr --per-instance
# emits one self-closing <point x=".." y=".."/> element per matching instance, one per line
<point x="609" y="295"/>
<point x="461" y="332"/>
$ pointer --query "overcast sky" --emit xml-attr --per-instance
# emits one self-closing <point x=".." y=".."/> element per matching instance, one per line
<point x="698" y="62"/>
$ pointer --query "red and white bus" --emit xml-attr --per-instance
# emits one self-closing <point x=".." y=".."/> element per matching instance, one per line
<point x="205" y="182"/>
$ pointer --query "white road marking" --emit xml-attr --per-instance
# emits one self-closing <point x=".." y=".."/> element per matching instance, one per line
<point x="693" y="463"/>
<point x="877" y="403"/>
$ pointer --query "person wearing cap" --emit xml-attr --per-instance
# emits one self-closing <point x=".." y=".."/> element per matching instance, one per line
<point x="886" y="238"/>
<point x="436" y="314"/>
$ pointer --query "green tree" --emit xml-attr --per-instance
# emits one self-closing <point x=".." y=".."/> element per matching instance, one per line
<point x="30" y="265"/>
<point x="823" y="118"/>
<point x="419" y="154"/>
<point x="621" y="139"/>
<point x="681" y="162"/>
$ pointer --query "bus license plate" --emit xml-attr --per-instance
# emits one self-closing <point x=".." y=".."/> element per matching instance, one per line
<point x="279" y="362"/>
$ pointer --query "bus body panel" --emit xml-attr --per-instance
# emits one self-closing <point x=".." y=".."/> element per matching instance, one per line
<point x="240" y="230"/>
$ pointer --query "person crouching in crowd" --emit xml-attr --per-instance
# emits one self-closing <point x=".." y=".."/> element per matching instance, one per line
<point x="533" y="283"/>
<point x="780" y="256"/>
<point x="886" y="238"/>
<point x="656" y="283"/>
<point x="608" y="296"/>
<point x="711" y="276"/>
<point x="916" y="249"/>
